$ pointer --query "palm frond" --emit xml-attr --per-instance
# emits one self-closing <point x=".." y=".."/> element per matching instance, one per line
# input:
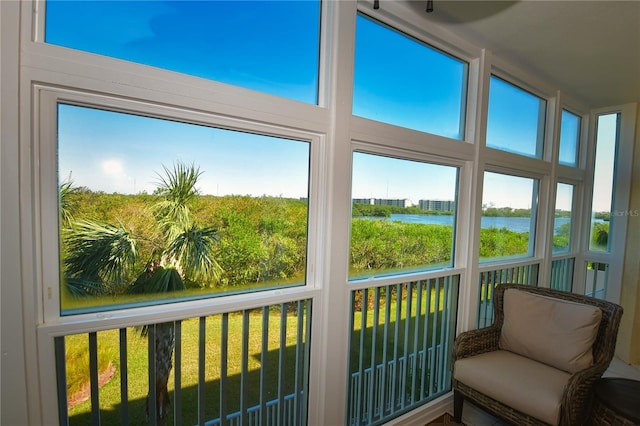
<point x="171" y="218"/>
<point x="81" y="287"/>
<point x="162" y="280"/>
<point x="179" y="184"/>
<point x="177" y="187"/>
<point x="99" y="253"/>
<point x="193" y="251"/>
<point x="65" y="203"/>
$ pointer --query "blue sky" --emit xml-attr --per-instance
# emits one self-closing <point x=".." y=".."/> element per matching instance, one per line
<point x="270" y="46"/>
<point x="115" y="152"/>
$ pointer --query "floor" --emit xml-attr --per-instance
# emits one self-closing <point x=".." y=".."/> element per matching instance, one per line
<point x="473" y="416"/>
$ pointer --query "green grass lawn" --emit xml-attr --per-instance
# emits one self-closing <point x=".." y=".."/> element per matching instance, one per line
<point x="108" y="348"/>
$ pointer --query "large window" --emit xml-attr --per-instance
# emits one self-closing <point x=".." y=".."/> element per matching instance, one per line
<point x="403" y="215"/>
<point x="516" y="119"/>
<point x="509" y="205"/>
<point x="156" y="209"/>
<point x="267" y="46"/>
<point x="401" y="81"/>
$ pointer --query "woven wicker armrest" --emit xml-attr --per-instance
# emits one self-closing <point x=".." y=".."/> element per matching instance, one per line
<point x="475" y="342"/>
<point x="579" y="392"/>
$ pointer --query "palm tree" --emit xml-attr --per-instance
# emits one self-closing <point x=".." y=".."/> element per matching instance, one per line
<point x="104" y="259"/>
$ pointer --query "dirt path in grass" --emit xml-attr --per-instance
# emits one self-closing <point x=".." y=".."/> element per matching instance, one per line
<point x="85" y="393"/>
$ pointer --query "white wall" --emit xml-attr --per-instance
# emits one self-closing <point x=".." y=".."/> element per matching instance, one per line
<point x="14" y="410"/>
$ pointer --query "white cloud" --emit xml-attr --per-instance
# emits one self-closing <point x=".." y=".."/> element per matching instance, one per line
<point x="113" y="168"/>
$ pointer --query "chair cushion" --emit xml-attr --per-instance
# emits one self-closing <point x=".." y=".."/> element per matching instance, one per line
<point x="557" y="332"/>
<point x="526" y="385"/>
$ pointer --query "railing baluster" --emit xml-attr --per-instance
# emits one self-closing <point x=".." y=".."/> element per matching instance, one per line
<point x="447" y="302"/>
<point x="244" y="369"/>
<point x="124" y="378"/>
<point x="263" y="365"/>
<point x="177" y="374"/>
<point x="364" y="302"/>
<point x="372" y="364"/>
<point x="61" y="379"/>
<point x="299" y="372"/>
<point x="385" y="372"/>
<point x="303" y="402"/>
<point x="425" y="340"/>
<point x="224" y="354"/>
<point x="93" y="374"/>
<point x="281" y="363"/>
<point x="405" y="344"/>
<point x="396" y="338"/>
<point x="353" y="386"/>
<point x="434" y="336"/>
<point x="152" y="410"/>
<point x="202" y="344"/>
<point x="416" y="349"/>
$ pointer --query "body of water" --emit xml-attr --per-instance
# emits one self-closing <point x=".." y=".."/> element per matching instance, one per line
<point x="517" y="224"/>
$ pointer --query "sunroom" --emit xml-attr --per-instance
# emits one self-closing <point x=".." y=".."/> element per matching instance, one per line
<point x="283" y="212"/>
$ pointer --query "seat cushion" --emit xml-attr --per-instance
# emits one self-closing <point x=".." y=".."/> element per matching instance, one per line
<point x="528" y="386"/>
<point x="554" y="331"/>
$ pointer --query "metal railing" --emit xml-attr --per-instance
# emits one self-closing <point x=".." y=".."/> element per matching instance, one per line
<point x="239" y="368"/>
<point x="597" y="280"/>
<point x="562" y="274"/>
<point x="520" y="274"/>
<point x="401" y="338"/>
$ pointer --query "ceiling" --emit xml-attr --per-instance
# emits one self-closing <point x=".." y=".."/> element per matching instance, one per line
<point x="590" y="49"/>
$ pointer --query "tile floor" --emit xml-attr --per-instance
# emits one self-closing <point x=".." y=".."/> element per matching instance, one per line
<point x="473" y="416"/>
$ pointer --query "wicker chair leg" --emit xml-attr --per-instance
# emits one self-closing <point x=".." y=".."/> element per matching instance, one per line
<point x="458" y="400"/>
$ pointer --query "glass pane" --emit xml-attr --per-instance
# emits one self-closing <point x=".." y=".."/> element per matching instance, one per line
<point x="153" y="210"/>
<point x="563" y="218"/>
<point x="395" y="227"/>
<point x="516" y="119"/>
<point x="569" y="139"/>
<point x="269" y="46"/>
<point x="401" y="81"/>
<point x="606" y="138"/>
<point x="509" y="205"/>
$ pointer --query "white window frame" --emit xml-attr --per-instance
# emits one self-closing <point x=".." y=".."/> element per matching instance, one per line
<point x="620" y="202"/>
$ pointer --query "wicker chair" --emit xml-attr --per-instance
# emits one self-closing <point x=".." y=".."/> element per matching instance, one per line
<point x="578" y="391"/>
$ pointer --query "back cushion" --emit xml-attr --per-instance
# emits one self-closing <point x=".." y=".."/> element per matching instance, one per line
<point x="556" y="332"/>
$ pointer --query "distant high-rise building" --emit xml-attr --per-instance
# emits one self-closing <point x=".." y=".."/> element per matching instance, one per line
<point x="391" y="202"/>
<point x="363" y="200"/>
<point x="437" y="205"/>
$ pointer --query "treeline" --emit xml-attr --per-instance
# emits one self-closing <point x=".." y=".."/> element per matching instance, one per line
<point x="509" y="212"/>
<point x="371" y="210"/>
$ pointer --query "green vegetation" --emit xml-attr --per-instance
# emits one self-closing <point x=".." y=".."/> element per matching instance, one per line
<point x="259" y="239"/>
<point x="506" y="212"/>
<point x="370" y="210"/>
<point x="599" y="236"/>
<point x="561" y="236"/>
<point x="385" y="245"/>
<point x="262" y="240"/>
